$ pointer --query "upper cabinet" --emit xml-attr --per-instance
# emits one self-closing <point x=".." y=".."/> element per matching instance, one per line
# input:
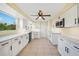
<point x="27" y="25"/>
<point x="69" y="18"/>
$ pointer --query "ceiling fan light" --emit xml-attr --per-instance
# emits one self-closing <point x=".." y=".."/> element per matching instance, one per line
<point x="39" y="17"/>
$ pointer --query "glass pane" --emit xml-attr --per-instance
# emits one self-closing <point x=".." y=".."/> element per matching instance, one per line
<point x="7" y="22"/>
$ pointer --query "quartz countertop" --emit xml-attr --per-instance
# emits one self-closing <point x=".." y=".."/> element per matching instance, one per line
<point x="8" y="37"/>
<point x="72" y="38"/>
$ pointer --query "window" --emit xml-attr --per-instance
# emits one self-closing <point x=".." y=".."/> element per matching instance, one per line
<point x="7" y="22"/>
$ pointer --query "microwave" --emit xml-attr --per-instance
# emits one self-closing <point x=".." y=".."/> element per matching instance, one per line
<point x="57" y="24"/>
<point x="61" y="23"/>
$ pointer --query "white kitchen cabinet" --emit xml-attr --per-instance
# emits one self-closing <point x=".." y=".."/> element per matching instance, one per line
<point x="15" y="46"/>
<point x="5" y="48"/>
<point x="50" y="36"/>
<point x="35" y="35"/>
<point x="60" y="46"/>
<point x="75" y="49"/>
<point x="63" y="48"/>
<point x="19" y="43"/>
<point x="66" y="47"/>
<point x="71" y="19"/>
<point x="24" y="40"/>
<point x="53" y="37"/>
<point x="32" y="35"/>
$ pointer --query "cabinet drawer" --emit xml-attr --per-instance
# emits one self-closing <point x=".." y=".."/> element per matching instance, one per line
<point x="4" y="43"/>
<point x="5" y="48"/>
<point x="15" y="39"/>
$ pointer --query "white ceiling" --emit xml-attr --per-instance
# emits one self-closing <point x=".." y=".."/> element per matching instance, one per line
<point x="47" y="8"/>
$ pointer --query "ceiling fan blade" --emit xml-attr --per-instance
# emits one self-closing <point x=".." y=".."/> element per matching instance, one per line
<point x="46" y="15"/>
<point x="34" y="15"/>
<point x="43" y="18"/>
<point x="37" y="17"/>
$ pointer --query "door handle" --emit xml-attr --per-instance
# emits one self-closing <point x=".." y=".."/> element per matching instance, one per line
<point x="19" y="42"/>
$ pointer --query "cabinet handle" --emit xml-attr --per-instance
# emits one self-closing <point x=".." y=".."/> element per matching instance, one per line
<point x="61" y="39"/>
<point x="16" y="39"/>
<point x="4" y="44"/>
<point x="11" y="48"/>
<point x="19" y="42"/>
<point x="75" y="20"/>
<point x="21" y="36"/>
<point x="76" y="47"/>
<point x="78" y="20"/>
<point x="67" y="49"/>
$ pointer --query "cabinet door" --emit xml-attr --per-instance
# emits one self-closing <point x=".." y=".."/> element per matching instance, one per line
<point x="21" y="41"/>
<point x="32" y="35"/>
<point x="63" y="47"/>
<point x="15" y="46"/>
<point x="5" y="48"/>
<point x="70" y="48"/>
<point x="55" y="38"/>
<point x="36" y="35"/>
<point x="60" y="46"/>
<point x="66" y="50"/>
<point x="50" y="37"/>
<point x="26" y="38"/>
<point x="75" y="49"/>
<point x="71" y="17"/>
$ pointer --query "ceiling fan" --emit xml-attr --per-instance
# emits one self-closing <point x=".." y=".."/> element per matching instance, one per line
<point x="40" y="14"/>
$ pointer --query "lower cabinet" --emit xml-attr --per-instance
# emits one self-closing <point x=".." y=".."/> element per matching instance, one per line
<point x="19" y="43"/>
<point x="53" y="37"/>
<point x="66" y="47"/>
<point x="30" y="36"/>
<point x="24" y="40"/>
<point x="50" y="36"/>
<point x="35" y="35"/>
<point x="5" y="48"/>
<point x="13" y="46"/>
